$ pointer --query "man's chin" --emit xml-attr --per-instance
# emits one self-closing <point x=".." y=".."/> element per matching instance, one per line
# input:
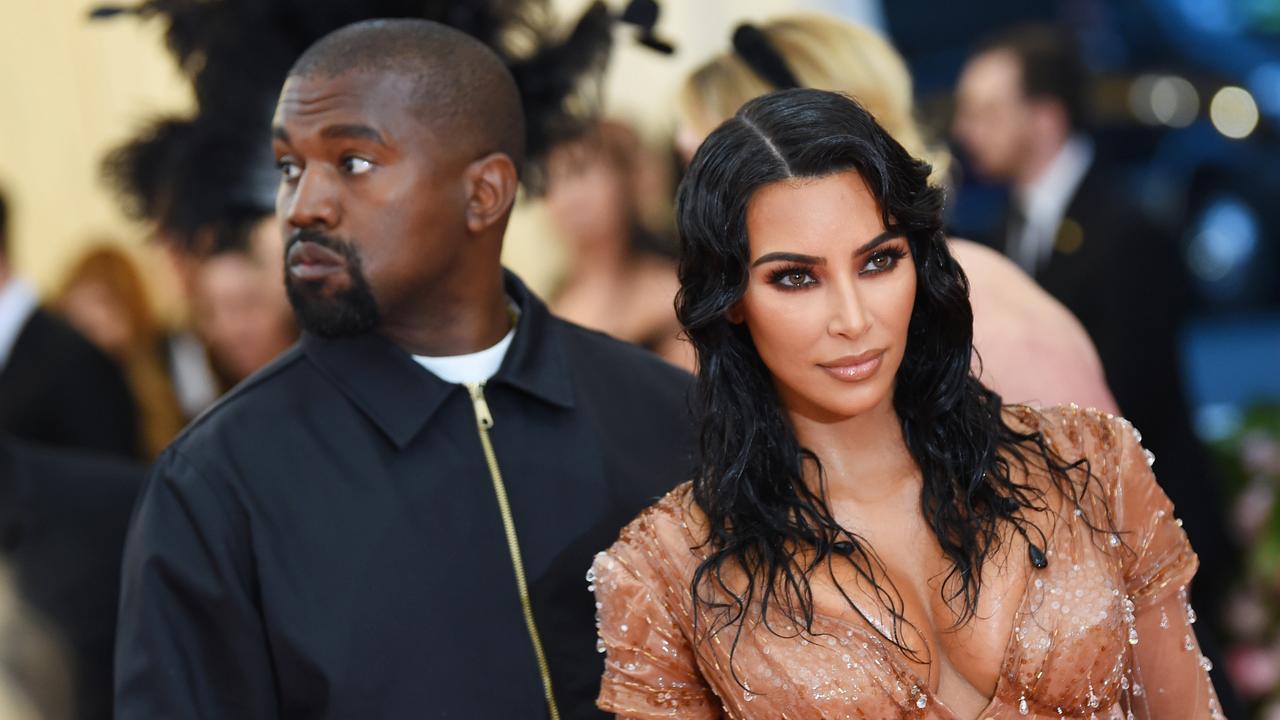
<point x="333" y="317"/>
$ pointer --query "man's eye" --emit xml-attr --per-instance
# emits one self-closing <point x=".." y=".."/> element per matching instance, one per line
<point x="289" y="169"/>
<point x="357" y="165"/>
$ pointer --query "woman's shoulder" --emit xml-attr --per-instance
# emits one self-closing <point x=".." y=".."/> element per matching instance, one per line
<point x="671" y="523"/>
<point x="662" y="539"/>
<point x="1072" y="431"/>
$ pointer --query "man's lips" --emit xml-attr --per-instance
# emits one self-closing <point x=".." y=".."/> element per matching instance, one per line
<point x="311" y="261"/>
<point x="853" y="368"/>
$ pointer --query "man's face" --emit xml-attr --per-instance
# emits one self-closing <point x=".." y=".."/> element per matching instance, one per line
<point x="371" y="201"/>
<point x="993" y="121"/>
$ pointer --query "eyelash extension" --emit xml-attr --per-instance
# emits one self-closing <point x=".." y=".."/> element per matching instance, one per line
<point x="775" y="277"/>
<point x="895" y="252"/>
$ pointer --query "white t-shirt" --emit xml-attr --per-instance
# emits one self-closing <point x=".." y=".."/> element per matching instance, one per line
<point x="470" y="368"/>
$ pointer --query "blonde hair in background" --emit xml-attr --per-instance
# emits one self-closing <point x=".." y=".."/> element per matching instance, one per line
<point x="823" y="53"/>
<point x="160" y="415"/>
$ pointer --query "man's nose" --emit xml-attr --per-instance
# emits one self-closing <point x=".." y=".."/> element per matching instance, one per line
<point x="313" y="202"/>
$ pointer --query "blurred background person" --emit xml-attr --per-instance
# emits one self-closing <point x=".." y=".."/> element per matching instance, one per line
<point x="1029" y="348"/>
<point x="239" y="311"/>
<point x="1073" y="225"/>
<point x="105" y="299"/>
<point x="63" y="515"/>
<point x="56" y="387"/>
<point x="621" y="274"/>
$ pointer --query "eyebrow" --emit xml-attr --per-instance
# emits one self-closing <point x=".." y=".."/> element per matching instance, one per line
<point x="351" y="131"/>
<point x="802" y="259"/>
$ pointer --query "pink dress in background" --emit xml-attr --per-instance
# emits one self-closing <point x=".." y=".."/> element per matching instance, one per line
<point x="1103" y="632"/>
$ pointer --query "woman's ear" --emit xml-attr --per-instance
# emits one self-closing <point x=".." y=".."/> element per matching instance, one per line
<point x="735" y="314"/>
<point x="492" y="183"/>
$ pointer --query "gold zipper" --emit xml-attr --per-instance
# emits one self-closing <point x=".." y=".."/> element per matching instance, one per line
<point x="484" y="421"/>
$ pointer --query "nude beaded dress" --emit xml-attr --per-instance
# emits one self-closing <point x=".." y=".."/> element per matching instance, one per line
<point x="1104" y="631"/>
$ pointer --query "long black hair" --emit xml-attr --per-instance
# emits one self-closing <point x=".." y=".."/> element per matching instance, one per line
<point x="763" y="520"/>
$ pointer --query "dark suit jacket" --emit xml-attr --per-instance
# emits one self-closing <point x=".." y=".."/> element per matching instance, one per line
<point x="58" y="389"/>
<point x="63" y="516"/>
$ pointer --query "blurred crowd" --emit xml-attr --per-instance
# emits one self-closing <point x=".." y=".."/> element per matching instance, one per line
<point x="95" y="380"/>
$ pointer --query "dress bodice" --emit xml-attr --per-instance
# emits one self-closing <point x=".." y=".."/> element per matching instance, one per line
<point x="1103" y="631"/>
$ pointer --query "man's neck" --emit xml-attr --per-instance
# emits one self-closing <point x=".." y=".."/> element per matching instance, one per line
<point x="447" y="325"/>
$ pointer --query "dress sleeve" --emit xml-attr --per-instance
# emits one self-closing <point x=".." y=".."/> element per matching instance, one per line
<point x="1169" y="677"/>
<point x="190" y="641"/>
<point x="650" y="668"/>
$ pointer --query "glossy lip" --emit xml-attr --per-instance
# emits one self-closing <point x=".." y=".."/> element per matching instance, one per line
<point x="310" y="261"/>
<point x="854" y="368"/>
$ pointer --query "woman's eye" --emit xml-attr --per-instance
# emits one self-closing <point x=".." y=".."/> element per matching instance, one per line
<point x="879" y="262"/>
<point x="795" y="279"/>
<point x="289" y="169"/>
<point x="357" y="165"/>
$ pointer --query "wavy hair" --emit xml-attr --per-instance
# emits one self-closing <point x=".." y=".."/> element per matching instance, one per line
<point x="764" y="521"/>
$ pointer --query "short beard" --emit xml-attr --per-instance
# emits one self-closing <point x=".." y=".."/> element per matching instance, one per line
<point x="352" y="312"/>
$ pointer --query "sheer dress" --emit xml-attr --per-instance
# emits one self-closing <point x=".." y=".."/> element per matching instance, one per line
<point x="1104" y="631"/>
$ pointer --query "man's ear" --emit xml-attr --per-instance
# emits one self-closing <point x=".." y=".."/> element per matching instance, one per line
<point x="491" y="191"/>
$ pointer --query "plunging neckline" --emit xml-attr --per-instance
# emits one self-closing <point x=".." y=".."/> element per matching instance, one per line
<point x="901" y="665"/>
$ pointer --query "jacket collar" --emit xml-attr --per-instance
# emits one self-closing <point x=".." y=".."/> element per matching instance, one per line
<point x="400" y="396"/>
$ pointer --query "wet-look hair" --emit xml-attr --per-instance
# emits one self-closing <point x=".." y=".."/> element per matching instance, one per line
<point x="766" y="526"/>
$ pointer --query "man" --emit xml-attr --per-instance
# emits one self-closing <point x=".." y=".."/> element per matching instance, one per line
<point x="56" y="388"/>
<point x="63" y="515"/>
<point x="1020" y="117"/>
<point x="351" y="533"/>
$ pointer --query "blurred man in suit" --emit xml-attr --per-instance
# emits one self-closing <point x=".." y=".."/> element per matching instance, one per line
<point x="63" y="516"/>
<point x="1020" y="118"/>
<point x="56" y="388"/>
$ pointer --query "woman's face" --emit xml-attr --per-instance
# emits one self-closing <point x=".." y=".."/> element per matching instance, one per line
<point x="238" y="314"/>
<point x="830" y="295"/>
<point x="586" y="197"/>
<point x="100" y="315"/>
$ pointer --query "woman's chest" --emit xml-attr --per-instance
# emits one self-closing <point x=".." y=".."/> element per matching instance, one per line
<point x="1063" y="651"/>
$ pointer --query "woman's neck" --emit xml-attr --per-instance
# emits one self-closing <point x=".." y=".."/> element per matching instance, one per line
<point x="864" y="458"/>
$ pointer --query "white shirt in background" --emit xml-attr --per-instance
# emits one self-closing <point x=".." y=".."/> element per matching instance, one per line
<point x="1044" y="203"/>
<point x="18" y="301"/>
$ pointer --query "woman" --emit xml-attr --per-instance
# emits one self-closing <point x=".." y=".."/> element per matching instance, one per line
<point x="1014" y="319"/>
<point x="620" y="279"/>
<point x="105" y="299"/>
<point x="869" y="531"/>
<point x="239" y="311"/>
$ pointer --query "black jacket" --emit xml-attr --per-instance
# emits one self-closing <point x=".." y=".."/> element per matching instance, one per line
<point x="58" y="389"/>
<point x="325" y="542"/>
<point x="63" y="516"/>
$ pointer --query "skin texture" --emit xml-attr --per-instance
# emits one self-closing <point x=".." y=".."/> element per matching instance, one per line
<point x="850" y="301"/>
<point x="1008" y="135"/>
<point x="424" y="214"/>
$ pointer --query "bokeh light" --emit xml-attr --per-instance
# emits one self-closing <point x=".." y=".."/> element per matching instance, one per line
<point x="1233" y="112"/>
